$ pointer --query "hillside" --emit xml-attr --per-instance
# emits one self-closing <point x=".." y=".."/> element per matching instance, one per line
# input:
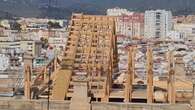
<point x="64" y="8"/>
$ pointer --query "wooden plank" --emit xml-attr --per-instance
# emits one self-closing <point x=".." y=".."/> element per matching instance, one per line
<point x="171" y="80"/>
<point x="27" y="81"/>
<point x="150" y="88"/>
<point x="129" y="80"/>
<point x="61" y="84"/>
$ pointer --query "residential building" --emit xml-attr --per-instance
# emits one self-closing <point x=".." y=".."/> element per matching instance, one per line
<point x="118" y="12"/>
<point x="176" y="36"/>
<point x="184" y="19"/>
<point x="130" y="25"/>
<point x="158" y="23"/>
<point x="5" y="23"/>
<point x="28" y="46"/>
<point x="187" y="29"/>
<point x="57" y="42"/>
<point x="40" y="23"/>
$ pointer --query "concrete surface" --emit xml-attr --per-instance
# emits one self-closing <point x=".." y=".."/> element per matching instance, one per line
<point x="64" y="105"/>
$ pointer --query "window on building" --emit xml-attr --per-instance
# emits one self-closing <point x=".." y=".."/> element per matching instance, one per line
<point x="193" y="30"/>
<point x="157" y="34"/>
<point x="158" y="23"/>
<point x="157" y="15"/>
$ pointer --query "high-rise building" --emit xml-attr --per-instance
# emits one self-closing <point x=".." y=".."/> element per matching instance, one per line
<point x="130" y="25"/>
<point x="158" y="23"/>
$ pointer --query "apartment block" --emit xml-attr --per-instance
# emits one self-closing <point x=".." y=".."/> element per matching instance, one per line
<point x="158" y="23"/>
<point x="130" y="25"/>
<point x="188" y="29"/>
<point x="118" y="12"/>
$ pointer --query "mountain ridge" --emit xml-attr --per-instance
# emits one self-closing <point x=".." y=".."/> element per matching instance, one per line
<point x="64" y="8"/>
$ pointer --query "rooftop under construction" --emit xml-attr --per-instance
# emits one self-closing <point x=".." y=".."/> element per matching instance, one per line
<point x="86" y="72"/>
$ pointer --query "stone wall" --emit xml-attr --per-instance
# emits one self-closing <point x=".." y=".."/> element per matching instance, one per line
<point x="64" y="105"/>
<point x="123" y="106"/>
<point x="32" y="105"/>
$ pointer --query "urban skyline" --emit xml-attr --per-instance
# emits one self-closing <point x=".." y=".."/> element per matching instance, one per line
<point x="111" y="59"/>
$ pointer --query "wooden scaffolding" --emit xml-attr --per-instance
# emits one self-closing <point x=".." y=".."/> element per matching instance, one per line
<point x="90" y="56"/>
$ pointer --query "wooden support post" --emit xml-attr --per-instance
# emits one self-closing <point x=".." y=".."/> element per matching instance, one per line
<point x="150" y="88"/>
<point x="108" y="85"/>
<point x="133" y="63"/>
<point x="45" y="74"/>
<point x="27" y="87"/>
<point x="108" y="80"/>
<point x="171" y="80"/>
<point x="55" y="63"/>
<point x="106" y="92"/>
<point x="128" y="84"/>
<point x="110" y="72"/>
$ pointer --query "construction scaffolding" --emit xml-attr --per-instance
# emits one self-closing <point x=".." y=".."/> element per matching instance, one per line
<point x="90" y="56"/>
<point x="89" y="63"/>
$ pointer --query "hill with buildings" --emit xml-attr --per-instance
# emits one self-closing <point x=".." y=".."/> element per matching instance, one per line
<point x="64" y="8"/>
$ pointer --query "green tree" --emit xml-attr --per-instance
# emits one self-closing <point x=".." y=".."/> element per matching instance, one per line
<point x="16" y="26"/>
<point x="44" y="42"/>
<point x="54" y="24"/>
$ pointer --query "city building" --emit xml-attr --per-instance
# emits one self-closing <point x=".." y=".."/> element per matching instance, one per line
<point x="19" y="43"/>
<point x="184" y="19"/>
<point x="11" y="71"/>
<point x="57" y="42"/>
<point x="5" y="23"/>
<point x="157" y="23"/>
<point x="27" y="46"/>
<point x="130" y="25"/>
<point x="176" y="36"/>
<point x="24" y="41"/>
<point x="101" y="64"/>
<point x="188" y="29"/>
<point x="40" y="23"/>
<point x="118" y="12"/>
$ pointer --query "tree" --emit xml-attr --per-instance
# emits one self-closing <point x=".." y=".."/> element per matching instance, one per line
<point x="44" y="42"/>
<point x="54" y="24"/>
<point x="16" y="26"/>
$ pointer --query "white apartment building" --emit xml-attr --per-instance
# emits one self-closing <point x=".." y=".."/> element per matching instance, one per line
<point x="187" y="29"/>
<point x="58" y="39"/>
<point x="158" y="23"/>
<point x="25" y="45"/>
<point x="57" y="42"/>
<point x="5" y="23"/>
<point x="176" y="36"/>
<point x="38" y="22"/>
<point x="118" y="12"/>
<point x="130" y="25"/>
